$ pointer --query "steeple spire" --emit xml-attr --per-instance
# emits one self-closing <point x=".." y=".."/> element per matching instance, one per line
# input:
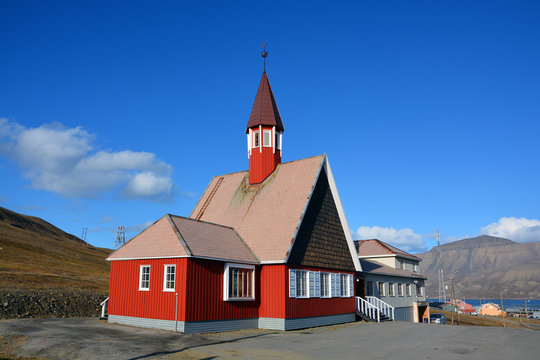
<point x="264" y="133"/>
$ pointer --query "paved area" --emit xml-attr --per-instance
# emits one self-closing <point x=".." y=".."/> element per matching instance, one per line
<point x="87" y="338"/>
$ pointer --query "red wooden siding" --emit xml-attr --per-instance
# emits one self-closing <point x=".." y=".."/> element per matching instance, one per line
<point x="274" y="291"/>
<point x="205" y="294"/>
<point x="126" y="299"/>
<point x="296" y="308"/>
<point x="261" y="164"/>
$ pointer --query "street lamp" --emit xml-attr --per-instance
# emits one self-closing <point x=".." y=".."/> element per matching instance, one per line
<point x="502" y="307"/>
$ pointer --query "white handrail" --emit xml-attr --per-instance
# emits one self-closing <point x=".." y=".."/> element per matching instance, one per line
<point x="368" y="309"/>
<point x="104" y="307"/>
<point x="386" y="308"/>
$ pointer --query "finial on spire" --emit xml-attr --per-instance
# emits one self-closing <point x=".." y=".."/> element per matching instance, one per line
<point x="264" y="54"/>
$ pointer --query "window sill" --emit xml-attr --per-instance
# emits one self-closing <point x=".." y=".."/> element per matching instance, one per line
<point x="169" y="290"/>
<point x="240" y="299"/>
<point x="144" y="289"/>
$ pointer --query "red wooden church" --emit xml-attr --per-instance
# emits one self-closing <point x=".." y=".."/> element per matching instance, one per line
<point x="265" y="248"/>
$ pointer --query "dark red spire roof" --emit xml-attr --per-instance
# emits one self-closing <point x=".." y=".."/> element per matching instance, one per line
<point x="265" y="111"/>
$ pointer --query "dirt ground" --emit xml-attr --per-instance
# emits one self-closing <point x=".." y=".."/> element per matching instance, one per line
<point x="90" y="338"/>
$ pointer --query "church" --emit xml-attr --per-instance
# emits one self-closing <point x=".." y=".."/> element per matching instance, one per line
<point x="269" y="248"/>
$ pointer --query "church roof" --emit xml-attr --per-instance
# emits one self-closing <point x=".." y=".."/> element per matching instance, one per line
<point x="176" y="236"/>
<point x="265" y="110"/>
<point x="268" y="215"/>
<point x="375" y="247"/>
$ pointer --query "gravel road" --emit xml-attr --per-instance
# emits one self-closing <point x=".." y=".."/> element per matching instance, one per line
<point x="90" y="338"/>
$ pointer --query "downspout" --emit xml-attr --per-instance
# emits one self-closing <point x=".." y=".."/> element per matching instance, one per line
<point x="176" y="315"/>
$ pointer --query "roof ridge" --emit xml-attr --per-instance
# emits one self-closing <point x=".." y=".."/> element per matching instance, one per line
<point x="179" y="235"/>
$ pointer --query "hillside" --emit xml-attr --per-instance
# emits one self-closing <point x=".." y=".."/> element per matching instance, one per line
<point x="38" y="256"/>
<point x="485" y="265"/>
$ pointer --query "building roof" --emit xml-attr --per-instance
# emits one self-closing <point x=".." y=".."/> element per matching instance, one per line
<point x="176" y="236"/>
<point x="265" y="110"/>
<point x="268" y="215"/>
<point x="375" y="247"/>
<point x="375" y="267"/>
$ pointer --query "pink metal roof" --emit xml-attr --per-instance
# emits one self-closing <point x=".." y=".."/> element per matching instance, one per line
<point x="175" y="236"/>
<point x="205" y="239"/>
<point x="158" y="240"/>
<point x="265" y="110"/>
<point x="266" y="215"/>
<point x="375" y="247"/>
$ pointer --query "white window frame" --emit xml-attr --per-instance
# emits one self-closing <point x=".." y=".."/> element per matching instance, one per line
<point x="415" y="267"/>
<point x="226" y="282"/>
<point x="141" y="267"/>
<point x="380" y="286"/>
<point x="400" y="289"/>
<point x="267" y="132"/>
<point x="165" y="273"/>
<point x="391" y="289"/>
<point x="344" y="280"/>
<point x="328" y="285"/>
<point x="305" y="274"/>
<point x="419" y="290"/>
<point x="408" y="289"/>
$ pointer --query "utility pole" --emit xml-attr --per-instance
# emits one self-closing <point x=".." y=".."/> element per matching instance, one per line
<point x="442" y="291"/>
<point x="120" y="237"/>
<point x="455" y="301"/>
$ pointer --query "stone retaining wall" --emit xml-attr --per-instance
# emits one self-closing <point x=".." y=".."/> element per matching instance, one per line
<point x="54" y="303"/>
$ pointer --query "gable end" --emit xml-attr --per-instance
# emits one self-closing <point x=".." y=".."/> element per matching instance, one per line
<point x="320" y="241"/>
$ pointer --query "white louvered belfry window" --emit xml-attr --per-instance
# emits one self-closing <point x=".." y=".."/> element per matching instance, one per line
<point x="144" y="277"/>
<point x="267" y="137"/>
<point x="169" y="278"/>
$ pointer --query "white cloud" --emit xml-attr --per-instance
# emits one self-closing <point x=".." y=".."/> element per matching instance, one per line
<point x="405" y="239"/>
<point x="62" y="160"/>
<point x="516" y="229"/>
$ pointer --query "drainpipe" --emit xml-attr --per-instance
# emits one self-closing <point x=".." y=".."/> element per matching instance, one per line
<point x="176" y="315"/>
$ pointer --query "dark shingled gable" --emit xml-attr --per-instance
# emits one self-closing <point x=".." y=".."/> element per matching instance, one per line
<point x="321" y="241"/>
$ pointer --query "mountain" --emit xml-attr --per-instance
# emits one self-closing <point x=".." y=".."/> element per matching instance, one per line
<point x="483" y="266"/>
<point x="37" y="255"/>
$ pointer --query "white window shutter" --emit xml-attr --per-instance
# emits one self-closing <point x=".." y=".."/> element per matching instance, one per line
<point x="338" y="285"/>
<point x="318" y="284"/>
<point x="351" y="285"/>
<point x="292" y="283"/>
<point x="333" y="281"/>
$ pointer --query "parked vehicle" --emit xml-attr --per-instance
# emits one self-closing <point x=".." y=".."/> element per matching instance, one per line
<point x="437" y="319"/>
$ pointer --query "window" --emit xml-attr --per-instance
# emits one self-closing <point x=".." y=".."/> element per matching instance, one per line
<point x="239" y="282"/>
<point x="408" y="287"/>
<point x="415" y="267"/>
<point x="325" y="285"/>
<point x="391" y="289"/>
<point x="419" y="290"/>
<point x="401" y="264"/>
<point x="301" y="284"/>
<point x="369" y="288"/>
<point x="381" y="289"/>
<point x="276" y="141"/>
<point x="169" y="278"/>
<point x="344" y="278"/>
<point x="267" y="136"/>
<point x="144" y="277"/>
<point x="256" y="138"/>
<point x="400" y="289"/>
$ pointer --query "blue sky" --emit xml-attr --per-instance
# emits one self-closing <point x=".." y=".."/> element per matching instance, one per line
<point x="116" y="113"/>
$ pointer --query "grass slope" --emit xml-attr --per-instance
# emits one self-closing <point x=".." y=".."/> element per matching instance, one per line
<point x="37" y="255"/>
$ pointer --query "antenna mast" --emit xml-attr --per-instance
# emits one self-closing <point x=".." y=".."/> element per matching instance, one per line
<point x="442" y="290"/>
<point x="120" y="237"/>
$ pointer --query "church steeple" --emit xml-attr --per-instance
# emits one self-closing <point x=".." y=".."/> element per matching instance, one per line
<point x="264" y="131"/>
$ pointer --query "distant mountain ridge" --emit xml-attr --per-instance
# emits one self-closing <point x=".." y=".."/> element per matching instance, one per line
<point x="35" y="254"/>
<point x="484" y="266"/>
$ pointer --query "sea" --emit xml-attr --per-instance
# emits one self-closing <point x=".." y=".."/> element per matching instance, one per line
<point x="533" y="304"/>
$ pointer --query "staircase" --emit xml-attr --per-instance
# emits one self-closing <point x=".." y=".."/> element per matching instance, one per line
<point x="374" y="309"/>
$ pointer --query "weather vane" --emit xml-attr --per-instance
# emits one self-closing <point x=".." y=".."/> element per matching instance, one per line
<point x="264" y="55"/>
